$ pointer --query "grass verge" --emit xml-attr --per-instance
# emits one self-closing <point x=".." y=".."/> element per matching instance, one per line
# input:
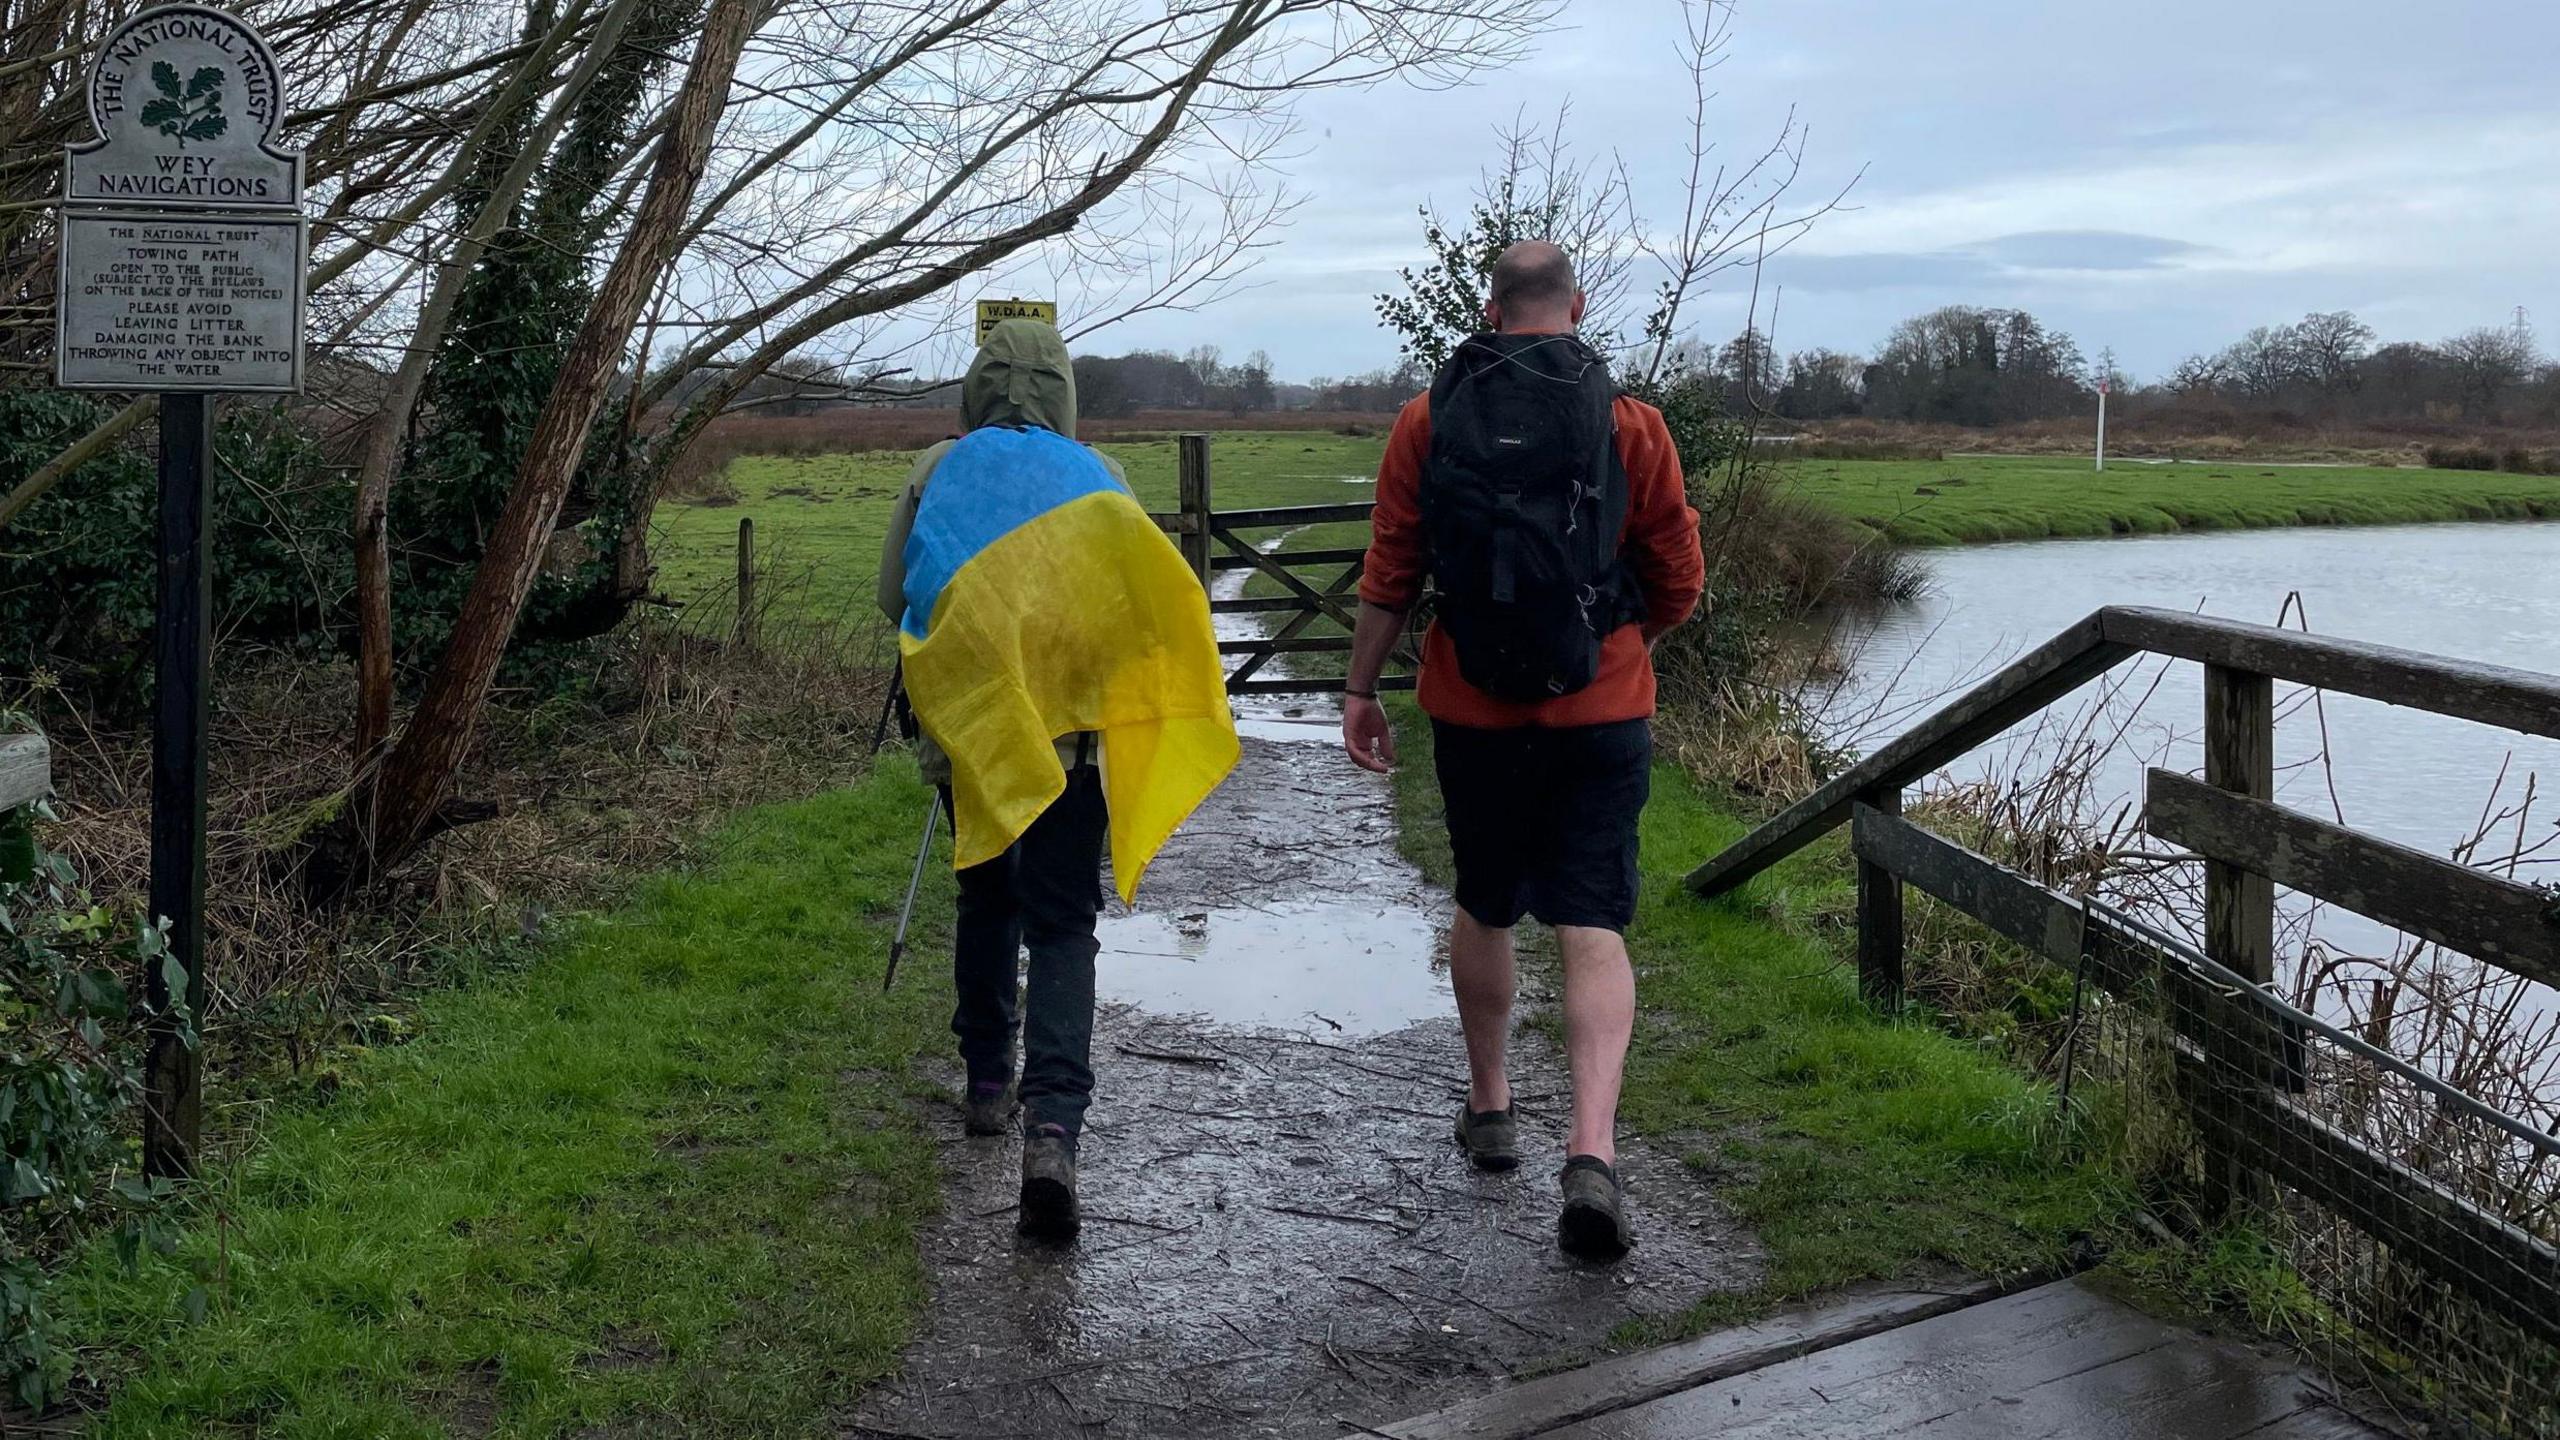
<point x="1968" y="500"/>
<point x="666" y="1175"/>
<point x="1858" y="1146"/>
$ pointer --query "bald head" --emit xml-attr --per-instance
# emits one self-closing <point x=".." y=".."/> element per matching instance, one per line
<point x="1533" y="289"/>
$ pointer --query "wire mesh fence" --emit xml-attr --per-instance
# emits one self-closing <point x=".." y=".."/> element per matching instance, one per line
<point x="2411" y="1230"/>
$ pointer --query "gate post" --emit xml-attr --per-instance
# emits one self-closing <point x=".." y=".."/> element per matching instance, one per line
<point x="1880" y="916"/>
<point x="1197" y="545"/>
<point x="2239" y="911"/>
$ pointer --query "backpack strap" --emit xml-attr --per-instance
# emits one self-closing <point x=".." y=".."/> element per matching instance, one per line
<point x="1505" y="580"/>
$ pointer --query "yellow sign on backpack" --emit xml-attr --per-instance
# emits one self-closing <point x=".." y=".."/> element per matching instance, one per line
<point x="993" y="312"/>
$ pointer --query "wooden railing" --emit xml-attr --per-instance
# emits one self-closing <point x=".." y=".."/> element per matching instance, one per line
<point x="2250" y="1068"/>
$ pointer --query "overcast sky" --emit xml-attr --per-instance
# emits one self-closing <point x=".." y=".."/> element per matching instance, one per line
<point x="2156" y="176"/>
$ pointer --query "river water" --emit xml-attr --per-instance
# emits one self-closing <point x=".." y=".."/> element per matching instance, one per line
<point x="2478" y="591"/>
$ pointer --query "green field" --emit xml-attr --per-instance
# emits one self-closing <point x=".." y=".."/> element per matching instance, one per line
<point x="1960" y="501"/>
<point x="819" y="520"/>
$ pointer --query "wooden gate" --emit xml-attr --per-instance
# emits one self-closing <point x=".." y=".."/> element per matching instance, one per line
<point x="1316" y="603"/>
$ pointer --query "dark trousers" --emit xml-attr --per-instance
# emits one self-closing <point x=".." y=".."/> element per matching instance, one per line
<point x="1043" y="894"/>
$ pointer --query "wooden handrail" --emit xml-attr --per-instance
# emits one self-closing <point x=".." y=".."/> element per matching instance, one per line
<point x="2473" y="912"/>
<point x="2028" y="684"/>
<point x="2521" y="700"/>
<point x="2512" y="699"/>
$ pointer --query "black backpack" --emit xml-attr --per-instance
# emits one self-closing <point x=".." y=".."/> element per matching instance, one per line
<point x="1523" y="501"/>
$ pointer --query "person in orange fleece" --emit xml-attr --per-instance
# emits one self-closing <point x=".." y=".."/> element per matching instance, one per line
<point x="1551" y="516"/>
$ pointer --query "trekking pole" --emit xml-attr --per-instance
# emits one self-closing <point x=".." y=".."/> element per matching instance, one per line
<point x="888" y="704"/>
<point x="915" y="882"/>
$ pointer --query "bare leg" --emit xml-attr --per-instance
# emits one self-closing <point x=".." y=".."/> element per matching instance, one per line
<point x="1599" y="1018"/>
<point x="1482" y="972"/>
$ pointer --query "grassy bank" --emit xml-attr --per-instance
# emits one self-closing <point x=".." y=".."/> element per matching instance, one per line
<point x="1959" y="501"/>
<point x="1857" y="1146"/>
<point x="819" y="519"/>
<point x="667" y="1175"/>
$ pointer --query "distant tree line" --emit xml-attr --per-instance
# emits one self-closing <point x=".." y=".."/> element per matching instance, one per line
<point x="2328" y="365"/>
<point x="1956" y="365"/>
<point x="1115" y="385"/>
<point x="1965" y="365"/>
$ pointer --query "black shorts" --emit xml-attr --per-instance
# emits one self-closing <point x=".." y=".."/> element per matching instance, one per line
<point x="1543" y="822"/>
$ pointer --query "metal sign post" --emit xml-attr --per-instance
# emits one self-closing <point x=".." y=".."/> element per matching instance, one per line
<point x="181" y="261"/>
<point x="2102" y="426"/>
<point x="181" y="707"/>
<point x="991" y="313"/>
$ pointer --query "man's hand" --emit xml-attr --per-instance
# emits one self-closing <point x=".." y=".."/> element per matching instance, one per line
<point x="1366" y="733"/>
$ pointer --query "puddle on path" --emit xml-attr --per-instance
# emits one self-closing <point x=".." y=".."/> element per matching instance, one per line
<point x="1336" y="968"/>
<point x="1283" y="905"/>
<point x="1289" y="729"/>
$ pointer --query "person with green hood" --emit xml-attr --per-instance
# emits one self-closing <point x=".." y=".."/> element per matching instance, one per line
<point x="1042" y="892"/>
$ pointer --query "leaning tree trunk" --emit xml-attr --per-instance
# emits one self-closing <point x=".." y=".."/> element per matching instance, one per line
<point x="409" y="797"/>
<point x="389" y="427"/>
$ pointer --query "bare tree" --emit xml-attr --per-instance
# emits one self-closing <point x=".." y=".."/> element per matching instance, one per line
<point x="2265" y="362"/>
<point x="1732" y="217"/>
<point x="407" y="800"/>
<point x="390" y="423"/>
<point x="2199" y="375"/>
<point x="860" y="162"/>
<point x="2330" y="348"/>
<point x="2487" y="363"/>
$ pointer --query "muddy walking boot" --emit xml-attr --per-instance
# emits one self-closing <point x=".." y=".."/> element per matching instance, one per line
<point x="1594" y="1223"/>
<point x="1491" y="1137"/>
<point x="987" y="1107"/>
<point x="1049" y="1185"/>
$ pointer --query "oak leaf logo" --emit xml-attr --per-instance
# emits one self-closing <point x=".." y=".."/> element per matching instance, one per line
<point x="189" y="110"/>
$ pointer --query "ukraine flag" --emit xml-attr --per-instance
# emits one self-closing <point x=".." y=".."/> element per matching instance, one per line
<point x="1041" y="601"/>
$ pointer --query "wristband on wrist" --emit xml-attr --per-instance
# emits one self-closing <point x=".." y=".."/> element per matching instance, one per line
<point x="1359" y="694"/>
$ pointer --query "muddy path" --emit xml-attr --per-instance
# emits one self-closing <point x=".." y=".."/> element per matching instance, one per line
<point x="1280" y="1235"/>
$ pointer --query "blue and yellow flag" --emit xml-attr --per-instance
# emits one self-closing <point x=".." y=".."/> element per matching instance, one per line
<point x="1041" y="601"/>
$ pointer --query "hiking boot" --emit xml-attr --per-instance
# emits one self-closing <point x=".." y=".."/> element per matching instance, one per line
<point x="1491" y="1137"/>
<point x="988" y="1107"/>
<point x="1594" y="1223"/>
<point x="1049" y="1185"/>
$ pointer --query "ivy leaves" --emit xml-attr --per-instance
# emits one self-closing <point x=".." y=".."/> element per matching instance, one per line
<point x="70" y="1076"/>
<point x="186" y="110"/>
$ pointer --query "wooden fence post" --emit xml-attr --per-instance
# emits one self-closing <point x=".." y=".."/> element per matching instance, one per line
<point x="743" y="633"/>
<point x="2239" y="907"/>
<point x="1880" y="917"/>
<point x="1197" y="545"/>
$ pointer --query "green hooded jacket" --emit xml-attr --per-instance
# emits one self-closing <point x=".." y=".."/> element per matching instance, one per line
<point x="1022" y="376"/>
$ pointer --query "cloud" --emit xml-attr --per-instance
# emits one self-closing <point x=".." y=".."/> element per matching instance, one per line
<point x="2123" y="181"/>
<point x="2000" y="261"/>
<point x="2086" y="250"/>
